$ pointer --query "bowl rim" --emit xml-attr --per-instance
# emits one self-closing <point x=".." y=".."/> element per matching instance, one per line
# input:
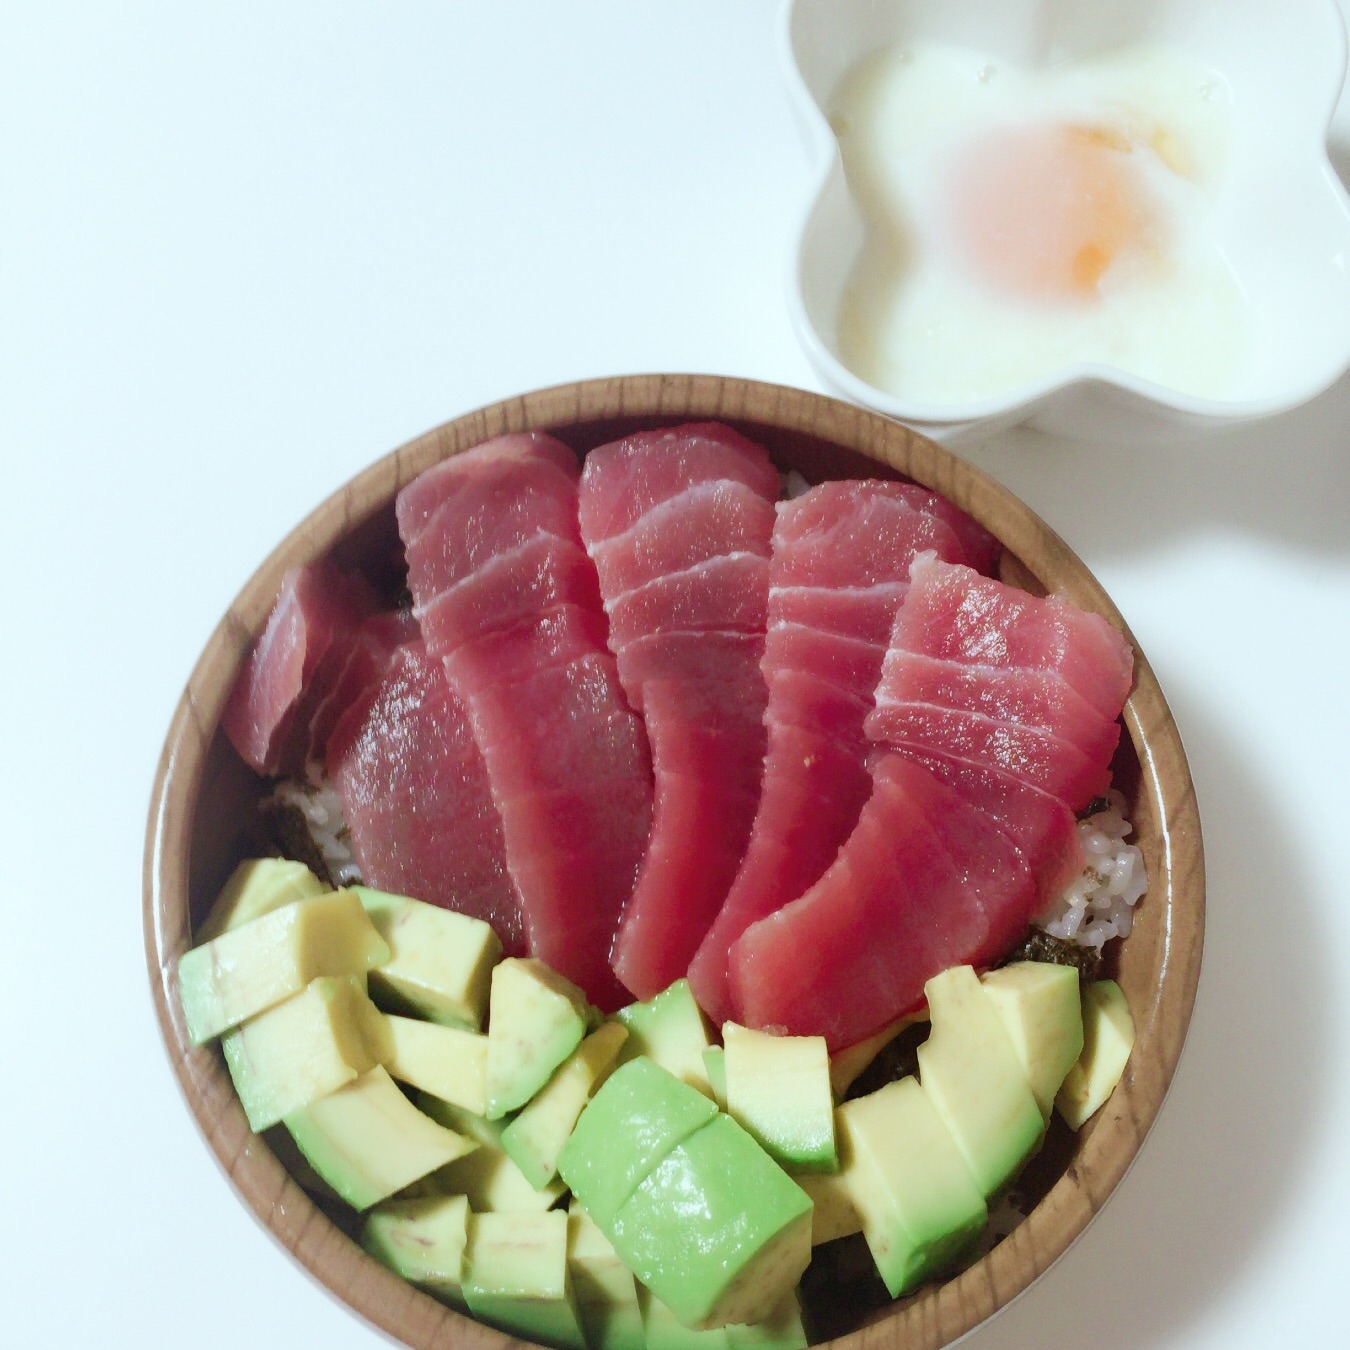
<point x="937" y="1315"/>
<point x="1025" y="400"/>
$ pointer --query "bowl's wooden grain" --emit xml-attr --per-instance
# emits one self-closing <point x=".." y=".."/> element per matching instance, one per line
<point x="197" y="831"/>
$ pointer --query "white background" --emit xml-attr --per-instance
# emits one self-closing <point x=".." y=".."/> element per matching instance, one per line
<point x="245" y="249"/>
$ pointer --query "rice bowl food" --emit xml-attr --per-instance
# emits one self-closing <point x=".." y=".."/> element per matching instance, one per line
<point x="817" y="440"/>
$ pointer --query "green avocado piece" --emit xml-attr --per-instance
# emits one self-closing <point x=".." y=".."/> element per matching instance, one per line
<point x="367" y="1140"/>
<point x="516" y="1276"/>
<point x="975" y="1081"/>
<point x="606" y="1292"/>
<point x="717" y="1231"/>
<point x="250" y="968"/>
<point x="447" y="1062"/>
<point x="535" y="1137"/>
<point x="670" y="1030"/>
<point x="1042" y="1014"/>
<point x="535" y="1020"/>
<point x="423" y="1241"/>
<point x="778" y="1087"/>
<point x="662" y="1330"/>
<point x="257" y="887"/>
<point x="833" y="1213"/>
<point x="628" y="1127"/>
<point x="440" y="962"/>
<point x="1108" y="1038"/>
<point x="304" y="1048"/>
<point x="912" y="1190"/>
<point x="781" y="1330"/>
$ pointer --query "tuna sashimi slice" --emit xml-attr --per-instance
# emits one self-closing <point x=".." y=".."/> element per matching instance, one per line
<point x="838" y="573"/>
<point x="415" y="797"/>
<point x="679" y="525"/>
<point x="955" y="615"/>
<point x="629" y="477"/>
<point x="924" y="882"/>
<point x="702" y="522"/>
<point x="295" y="665"/>
<point x="540" y="688"/>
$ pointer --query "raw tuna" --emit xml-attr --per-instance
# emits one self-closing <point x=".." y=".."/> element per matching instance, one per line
<point x="678" y="523"/>
<point x="508" y="603"/>
<point x="415" y="796"/>
<point x="983" y="672"/>
<point x="297" y="678"/>
<point x="839" y="570"/>
<point x="925" y="881"/>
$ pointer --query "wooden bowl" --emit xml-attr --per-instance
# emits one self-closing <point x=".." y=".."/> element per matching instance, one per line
<point x="200" y="811"/>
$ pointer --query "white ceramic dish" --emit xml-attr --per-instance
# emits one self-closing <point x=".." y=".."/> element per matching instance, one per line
<point x="1284" y="216"/>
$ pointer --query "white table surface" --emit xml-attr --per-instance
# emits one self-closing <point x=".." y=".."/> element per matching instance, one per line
<point x="245" y="249"/>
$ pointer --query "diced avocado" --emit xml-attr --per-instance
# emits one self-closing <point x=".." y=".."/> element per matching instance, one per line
<point x="367" y="1140"/>
<point x="662" y="1330"/>
<point x="778" y="1087"/>
<point x="780" y="1330"/>
<point x="491" y="1180"/>
<point x="422" y="1240"/>
<point x="717" y="1231"/>
<point x="1041" y="1012"/>
<point x="847" y="1064"/>
<point x="248" y="969"/>
<point x="605" y="1290"/>
<point x="627" y="1128"/>
<point x="440" y="962"/>
<point x="448" y="1062"/>
<point x="912" y="1189"/>
<point x="535" y="1020"/>
<point x="257" y="887"/>
<point x="671" y="1031"/>
<point x="535" y="1138"/>
<point x="715" y="1065"/>
<point x="516" y="1276"/>
<point x="833" y="1213"/>
<point x="304" y="1048"/>
<point x="1108" y="1038"/>
<point x="975" y="1081"/>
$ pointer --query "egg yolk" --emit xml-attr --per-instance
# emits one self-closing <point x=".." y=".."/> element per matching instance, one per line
<point x="1043" y="212"/>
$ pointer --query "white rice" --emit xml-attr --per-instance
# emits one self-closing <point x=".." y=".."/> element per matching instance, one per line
<point x="1099" y="905"/>
<point x="794" y="485"/>
<point x="317" y="800"/>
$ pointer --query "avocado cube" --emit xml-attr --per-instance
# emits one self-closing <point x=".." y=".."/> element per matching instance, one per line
<point x="1042" y="1014"/>
<point x="670" y="1030"/>
<point x="516" y="1276"/>
<point x="780" y="1330"/>
<point x="250" y="968"/>
<point x="536" y="1136"/>
<point x="911" y="1187"/>
<point x="717" y="1231"/>
<point x="367" y="1140"/>
<point x="304" y="1048"/>
<point x="1108" y="1038"/>
<point x="257" y="887"/>
<point x="778" y="1087"/>
<point x="447" y="1062"/>
<point x="975" y="1081"/>
<point x="833" y="1213"/>
<point x="423" y="1241"/>
<point x="628" y="1127"/>
<point x="440" y="961"/>
<point x="536" y="1019"/>
<point x="715" y="1065"/>
<point x="487" y="1177"/>
<point x="847" y="1064"/>
<point x="606" y="1292"/>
